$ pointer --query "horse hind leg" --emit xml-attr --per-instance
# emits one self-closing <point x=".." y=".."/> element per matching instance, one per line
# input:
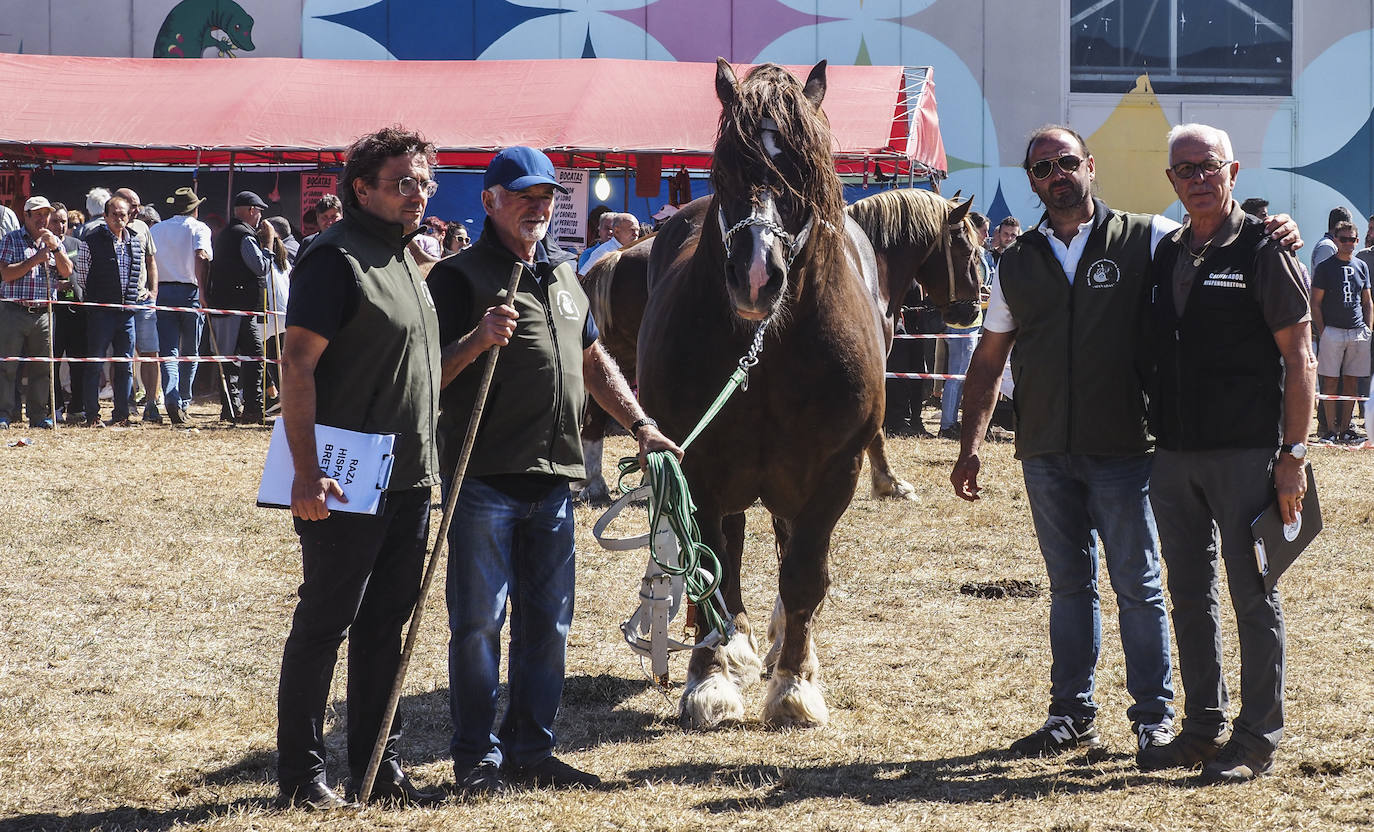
<point x="593" y="490"/>
<point x="886" y="483"/>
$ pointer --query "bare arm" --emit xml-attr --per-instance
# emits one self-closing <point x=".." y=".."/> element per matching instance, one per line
<point x="608" y="387"/>
<point x="46" y="243"/>
<point x="310" y="486"/>
<point x="1317" y="325"/>
<point x="149" y="274"/>
<point x="495" y="329"/>
<point x="203" y="273"/>
<point x="1365" y="308"/>
<point x="1299" y="401"/>
<point x="64" y="263"/>
<point x="980" y="397"/>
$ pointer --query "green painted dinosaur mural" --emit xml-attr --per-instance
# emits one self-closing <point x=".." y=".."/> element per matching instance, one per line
<point x="192" y="26"/>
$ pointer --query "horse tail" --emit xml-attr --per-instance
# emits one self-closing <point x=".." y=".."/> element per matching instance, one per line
<point x="597" y="284"/>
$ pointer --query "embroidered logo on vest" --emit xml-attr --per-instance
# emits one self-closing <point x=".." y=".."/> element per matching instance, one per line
<point x="567" y="307"/>
<point x="1104" y="274"/>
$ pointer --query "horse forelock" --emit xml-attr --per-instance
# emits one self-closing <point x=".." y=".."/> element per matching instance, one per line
<point x="804" y="169"/>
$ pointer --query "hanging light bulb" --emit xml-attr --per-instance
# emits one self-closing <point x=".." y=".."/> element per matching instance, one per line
<point x="602" y="187"/>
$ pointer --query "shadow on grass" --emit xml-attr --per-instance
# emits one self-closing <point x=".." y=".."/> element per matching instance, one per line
<point x="986" y="777"/>
<point x="590" y="715"/>
<point x="127" y="817"/>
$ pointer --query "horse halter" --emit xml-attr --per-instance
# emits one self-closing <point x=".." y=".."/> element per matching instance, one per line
<point x="794" y="244"/>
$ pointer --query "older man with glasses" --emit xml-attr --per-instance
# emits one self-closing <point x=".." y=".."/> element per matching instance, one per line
<point x="1230" y="409"/>
<point x="32" y="262"/>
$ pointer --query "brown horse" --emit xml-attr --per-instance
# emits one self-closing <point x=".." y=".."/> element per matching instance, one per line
<point x="908" y="228"/>
<point x="776" y="250"/>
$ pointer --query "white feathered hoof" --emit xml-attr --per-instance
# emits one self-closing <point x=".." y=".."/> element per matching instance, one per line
<point x="740" y="659"/>
<point x="710" y="702"/>
<point x="793" y="702"/>
<point x="893" y="489"/>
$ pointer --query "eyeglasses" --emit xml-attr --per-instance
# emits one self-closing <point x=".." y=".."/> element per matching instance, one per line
<point x="1067" y="163"/>
<point x="1347" y="239"/>
<point x="1187" y="170"/>
<point x="409" y="185"/>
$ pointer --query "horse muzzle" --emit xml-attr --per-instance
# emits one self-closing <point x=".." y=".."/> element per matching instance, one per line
<point x="960" y="312"/>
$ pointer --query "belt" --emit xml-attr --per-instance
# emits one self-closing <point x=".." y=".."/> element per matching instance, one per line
<point x="31" y="308"/>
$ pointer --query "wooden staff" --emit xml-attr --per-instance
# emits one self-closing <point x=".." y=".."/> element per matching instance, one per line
<point x="459" y="471"/>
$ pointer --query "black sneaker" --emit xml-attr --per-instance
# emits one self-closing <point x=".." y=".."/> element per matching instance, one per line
<point x="313" y="795"/>
<point x="1236" y="764"/>
<point x="553" y="773"/>
<point x="1328" y="438"/>
<point x="483" y="778"/>
<point x="1058" y="735"/>
<point x="1352" y="437"/>
<point x="1186" y="750"/>
<point x="951" y="432"/>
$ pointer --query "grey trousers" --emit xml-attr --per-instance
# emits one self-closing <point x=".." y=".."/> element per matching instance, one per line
<point x="1205" y="500"/>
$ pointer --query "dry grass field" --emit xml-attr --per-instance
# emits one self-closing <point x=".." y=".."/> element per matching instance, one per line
<point x="145" y="601"/>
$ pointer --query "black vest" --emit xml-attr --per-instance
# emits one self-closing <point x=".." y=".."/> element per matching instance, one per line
<point x="104" y="282"/>
<point x="232" y="284"/>
<point x="1219" y="373"/>
<point x="1078" y="362"/>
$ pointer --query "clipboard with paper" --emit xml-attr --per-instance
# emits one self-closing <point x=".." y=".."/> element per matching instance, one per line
<point x="1278" y="544"/>
<point x="359" y="462"/>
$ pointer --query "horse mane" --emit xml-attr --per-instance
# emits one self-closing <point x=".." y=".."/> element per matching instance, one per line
<point x="805" y="169"/>
<point x="597" y="284"/>
<point x="900" y="217"/>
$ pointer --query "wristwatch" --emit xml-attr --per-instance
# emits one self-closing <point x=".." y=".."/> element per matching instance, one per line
<point x="1297" y="450"/>
<point x="640" y="423"/>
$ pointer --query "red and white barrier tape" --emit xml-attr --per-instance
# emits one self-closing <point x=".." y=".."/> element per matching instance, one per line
<point x="939" y="336"/>
<point x="139" y="359"/>
<point x="945" y="376"/>
<point x="142" y="307"/>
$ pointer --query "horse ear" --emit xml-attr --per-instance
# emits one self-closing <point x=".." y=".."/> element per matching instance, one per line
<point x="815" y="85"/>
<point x="727" y="85"/>
<point x="955" y="198"/>
<point x="957" y="215"/>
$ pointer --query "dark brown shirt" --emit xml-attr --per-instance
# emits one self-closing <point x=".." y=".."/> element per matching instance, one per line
<point x="1283" y="294"/>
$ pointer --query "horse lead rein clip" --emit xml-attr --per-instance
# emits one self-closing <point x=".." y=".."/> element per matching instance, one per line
<point x="751" y="358"/>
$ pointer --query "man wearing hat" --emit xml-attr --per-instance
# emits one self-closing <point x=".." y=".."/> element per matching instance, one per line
<point x="512" y="532"/>
<point x="32" y="261"/>
<point x="183" y="255"/>
<point x="238" y="278"/>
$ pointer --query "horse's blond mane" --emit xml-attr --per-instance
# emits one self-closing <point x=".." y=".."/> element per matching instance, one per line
<point x="906" y="216"/>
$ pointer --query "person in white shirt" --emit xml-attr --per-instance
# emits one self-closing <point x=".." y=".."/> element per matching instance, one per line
<point x="184" y="251"/>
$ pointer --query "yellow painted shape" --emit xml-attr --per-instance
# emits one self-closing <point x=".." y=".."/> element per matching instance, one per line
<point x="1132" y="152"/>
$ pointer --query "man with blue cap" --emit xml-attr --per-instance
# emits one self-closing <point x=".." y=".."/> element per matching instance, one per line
<point x="511" y="537"/>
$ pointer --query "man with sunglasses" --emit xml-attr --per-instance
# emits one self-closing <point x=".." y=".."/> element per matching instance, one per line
<point x="361" y="353"/>
<point x="1230" y="408"/>
<point x="1069" y="294"/>
<point x="1341" y="318"/>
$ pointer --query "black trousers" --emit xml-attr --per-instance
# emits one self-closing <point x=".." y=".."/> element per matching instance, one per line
<point x="361" y="577"/>
<point x="69" y="340"/>
<point x="905" y="397"/>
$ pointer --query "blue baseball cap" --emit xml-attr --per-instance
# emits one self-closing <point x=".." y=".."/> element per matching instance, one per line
<point x="517" y="168"/>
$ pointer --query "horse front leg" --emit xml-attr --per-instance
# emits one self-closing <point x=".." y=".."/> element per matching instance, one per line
<point x="886" y="483"/>
<point x="716" y="675"/>
<point x="794" y="695"/>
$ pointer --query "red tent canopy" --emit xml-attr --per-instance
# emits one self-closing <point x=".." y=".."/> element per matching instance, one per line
<point x="281" y="110"/>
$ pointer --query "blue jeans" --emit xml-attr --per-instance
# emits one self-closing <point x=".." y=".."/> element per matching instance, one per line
<point x="501" y="548"/>
<point x="110" y="328"/>
<point x="1071" y="496"/>
<point x="960" y="350"/>
<point x="178" y="334"/>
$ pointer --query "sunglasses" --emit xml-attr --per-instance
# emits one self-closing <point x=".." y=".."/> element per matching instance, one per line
<point x="409" y="185"/>
<point x="1348" y="239"/>
<point x="1187" y="170"/>
<point x="1068" y="163"/>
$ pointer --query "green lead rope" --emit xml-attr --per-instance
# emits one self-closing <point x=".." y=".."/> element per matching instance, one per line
<point x="670" y="498"/>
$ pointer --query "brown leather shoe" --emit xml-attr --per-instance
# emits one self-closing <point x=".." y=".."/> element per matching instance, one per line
<point x="1237" y="764"/>
<point x="315" y="796"/>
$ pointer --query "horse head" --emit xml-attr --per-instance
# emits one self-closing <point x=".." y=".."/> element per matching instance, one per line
<point x="949" y="275"/>
<point x="773" y="178"/>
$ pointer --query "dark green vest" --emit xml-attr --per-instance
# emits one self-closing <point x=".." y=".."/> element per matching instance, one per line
<point x="1078" y="361"/>
<point x="533" y="413"/>
<point x="380" y="371"/>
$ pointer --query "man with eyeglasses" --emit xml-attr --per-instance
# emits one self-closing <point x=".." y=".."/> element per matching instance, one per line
<point x="1230" y="408"/>
<point x="114" y="276"/>
<point x="1341" y="318"/>
<point x="238" y="280"/>
<point x="361" y="353"/>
